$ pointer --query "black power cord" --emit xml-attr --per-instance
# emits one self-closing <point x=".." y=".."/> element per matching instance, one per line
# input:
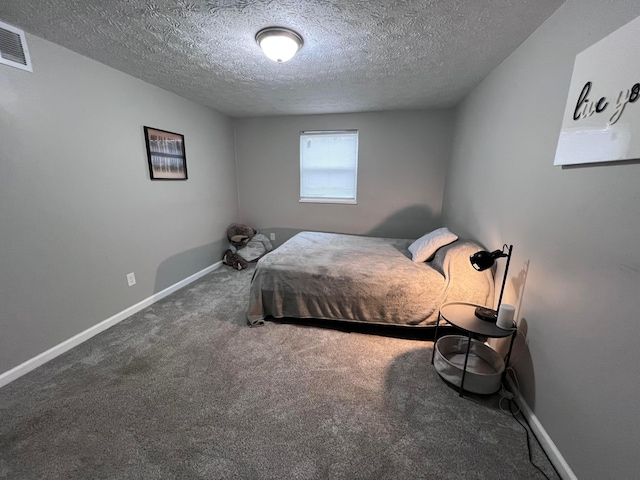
<point x="515" y="415"/>
<point x="509" y="396"/>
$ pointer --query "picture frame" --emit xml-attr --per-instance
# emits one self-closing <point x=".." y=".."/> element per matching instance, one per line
<point x="165" y="154"/>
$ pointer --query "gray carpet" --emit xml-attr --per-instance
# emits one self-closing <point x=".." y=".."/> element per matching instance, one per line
<point x="184" y="389"/>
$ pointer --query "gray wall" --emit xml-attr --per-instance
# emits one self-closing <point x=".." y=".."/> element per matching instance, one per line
<point x="578" y="230"/>
<point x="77" y="209"/>
<point x="401" y="166"/>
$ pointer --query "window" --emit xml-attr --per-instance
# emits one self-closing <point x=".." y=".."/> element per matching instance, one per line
<point x="328" y="166"/>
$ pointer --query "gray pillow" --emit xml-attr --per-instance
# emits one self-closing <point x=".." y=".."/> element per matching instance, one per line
<point x="256" y="248"/>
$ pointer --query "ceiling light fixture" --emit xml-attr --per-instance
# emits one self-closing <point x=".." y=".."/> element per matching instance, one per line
<point x="278" y="43"/>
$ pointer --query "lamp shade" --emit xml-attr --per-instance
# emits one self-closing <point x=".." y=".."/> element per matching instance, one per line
<point x="279" y="44"/>
<point x="482" y="260"/>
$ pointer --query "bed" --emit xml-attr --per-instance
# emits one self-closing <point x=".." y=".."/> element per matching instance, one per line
<point x="327" y="276"/>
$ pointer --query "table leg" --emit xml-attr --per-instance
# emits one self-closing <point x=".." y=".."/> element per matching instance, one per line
<point x="435" y="339"/>
<point x="508" y="357"/>
<point x="466" y="359"/>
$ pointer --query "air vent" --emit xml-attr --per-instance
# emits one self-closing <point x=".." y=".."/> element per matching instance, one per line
<point x="13" y="48"/>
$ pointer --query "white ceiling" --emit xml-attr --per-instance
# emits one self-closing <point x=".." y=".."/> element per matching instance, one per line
<point x="357" y="55"/>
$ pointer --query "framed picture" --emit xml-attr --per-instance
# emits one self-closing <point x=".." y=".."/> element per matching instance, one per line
<point x="166" y="154"/>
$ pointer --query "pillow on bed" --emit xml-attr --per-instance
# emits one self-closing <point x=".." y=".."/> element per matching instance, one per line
<point x="426" y="246"/>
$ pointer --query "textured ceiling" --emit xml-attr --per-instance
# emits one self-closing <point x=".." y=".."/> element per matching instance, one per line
<point x="357" y="55"/>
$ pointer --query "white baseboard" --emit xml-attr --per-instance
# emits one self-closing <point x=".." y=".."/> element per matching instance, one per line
<point x="558" y="461"/>
<point x="16" y="372"/>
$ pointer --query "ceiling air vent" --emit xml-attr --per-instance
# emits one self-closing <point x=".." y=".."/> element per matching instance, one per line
<point x="13" y="48"/>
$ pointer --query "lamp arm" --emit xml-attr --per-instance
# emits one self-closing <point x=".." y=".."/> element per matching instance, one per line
<point x="506" y="270"/>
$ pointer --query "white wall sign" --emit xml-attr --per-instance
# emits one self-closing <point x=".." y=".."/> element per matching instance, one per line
<point x="601" y="121"/>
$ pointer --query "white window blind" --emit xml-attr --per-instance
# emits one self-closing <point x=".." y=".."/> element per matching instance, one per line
<point x="328" y="166"/>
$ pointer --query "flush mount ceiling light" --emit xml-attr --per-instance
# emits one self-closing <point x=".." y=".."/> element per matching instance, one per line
<point x="278" y="43"/>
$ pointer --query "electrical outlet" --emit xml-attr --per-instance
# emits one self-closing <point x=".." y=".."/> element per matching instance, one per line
<point x="131" y="279"/>
<point x="272" y="236"/>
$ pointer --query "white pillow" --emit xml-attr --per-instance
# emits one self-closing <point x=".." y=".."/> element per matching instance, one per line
<point x="426" y="246"/>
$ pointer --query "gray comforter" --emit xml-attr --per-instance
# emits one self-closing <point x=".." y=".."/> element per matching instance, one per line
<point x="366" y="279"/>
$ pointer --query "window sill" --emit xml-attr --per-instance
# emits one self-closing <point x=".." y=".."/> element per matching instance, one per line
<point x="342" y="201"/>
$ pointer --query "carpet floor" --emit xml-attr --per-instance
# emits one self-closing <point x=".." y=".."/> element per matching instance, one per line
<point x="184" y="389"/>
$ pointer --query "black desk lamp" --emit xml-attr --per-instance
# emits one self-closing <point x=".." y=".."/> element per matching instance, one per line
<point x="481" y="261"/>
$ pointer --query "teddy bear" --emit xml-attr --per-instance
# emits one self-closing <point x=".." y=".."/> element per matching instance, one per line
<point x="247" y="242"/>
<point x="234" y="260"/>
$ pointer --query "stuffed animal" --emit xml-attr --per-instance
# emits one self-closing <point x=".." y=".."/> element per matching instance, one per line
<point x="234" y="260"/>
<point x="245" y="245"/>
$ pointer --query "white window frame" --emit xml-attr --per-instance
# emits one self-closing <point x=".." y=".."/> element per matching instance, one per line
<point x="339" y="200"/>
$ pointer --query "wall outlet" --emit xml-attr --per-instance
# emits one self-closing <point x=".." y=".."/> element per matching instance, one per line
<point x="131" y="279"/>
<point x="272" y="236"/>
